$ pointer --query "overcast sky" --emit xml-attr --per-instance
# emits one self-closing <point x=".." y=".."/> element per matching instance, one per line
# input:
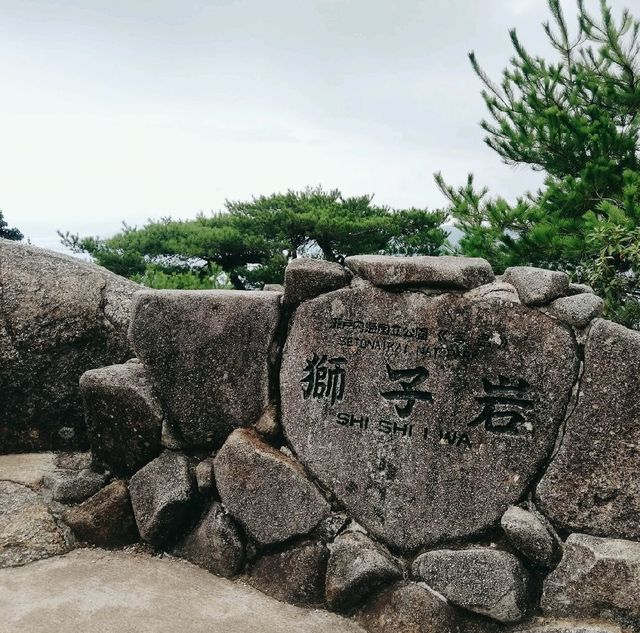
<point x="118" y="110"/>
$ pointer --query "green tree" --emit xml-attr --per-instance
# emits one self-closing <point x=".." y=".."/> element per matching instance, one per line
<point x="9" y="233"/>
<point x="575" y="118"/>
<point x="252" y="241"/>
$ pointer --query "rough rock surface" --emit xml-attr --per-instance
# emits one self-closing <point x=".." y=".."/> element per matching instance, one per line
<point x="408" y="608"/>
<point x="162" y="496"/>
<point x="28" y="531"/>
<point x="496" y="291"/>
<point x="273" y="288"/>
<point x="123" y="417"/>
<point x="357" y="567"/>
<point x="566" y="626"/>
<point x="305" y="278"/>
<point x="269" y="422"/>
<point x="205" y="477"/>
<point x="295" y="575"/>
<point x="215" y="543"/>
<point x="532" y="536"/>
<point x="442" y="271"/>
<point x="537" y="286"/>
<point x="208" y="353"/>
<point x="265" y="490"/>
<point x="578" y="289"/>
<point x="486" y="581"/>
<point x="106" y="518"/>
<point x="596" y="578"/>
<point x="69" y="486"/>
<point x="592" y="484"/>
<point x="59" y="316"/>
<point x="577" y="310"/>
<point x="402" y="404"/>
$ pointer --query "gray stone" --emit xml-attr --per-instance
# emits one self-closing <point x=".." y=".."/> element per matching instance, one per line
<point x="541" y="625"/>
<point x="28" y="531"/>
<point x="266" y="491"/>
<point x="537" y="286"/>
<point x="59" y="316"/>
<point x="532" y="536"/>
<point x="123" y="417"/>
<point x="169" y="437"/>
<point x="577" y="310"/>
<point x="305" y="278"/>
<point x="28" y="469"/>
<point x="408" y="608"/>
<point x="106" y="518"/>
<point x="596" y="578"/>
<point x="273" y="288"/>
<point x="401" y="404"/>
<point x="496" y="291"/>
<point x="73" y="487"/>
<point x="269" y="423"/>
<point x="215" y="543"/>
<point x="592" y="484"/>
<point x="162" y="496"/>
<point x="205" y="477"/>
<point x="357" y="567"/>
<point x="443" y="271"/>
<point x="330" y="527"/>
<point x="74" y="460"/>
<point x="209" y="356"/>
<point x="486" y="581"/>
<point x="295" y="575"/>
<point x="578" y="289"/>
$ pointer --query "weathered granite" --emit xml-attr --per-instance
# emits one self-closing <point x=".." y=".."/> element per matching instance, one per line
<point x="162" y="496"/>
<point x="596" y="578"/>
<point x="59" y="316"/>
<point x="442" y="271"/>
<point x="123" y="416"/>
<point x="496" y="291"/>
<point x="273" y="288"/>
<point x="577" y="310"/>
<point x="357" y="567"/>
<point x="209" y="355"/>
<point x="592" y="484"/>
<point x="578" y="289"/>
<point x="106" y="518"/>
<point x="28" y="531"/>
<point x="295" y="575"/>
<point x="68" y="486"/>
<point x="305" y="278"/>
<point x="216" y="543"/>
<point x="541" y="625"/>
<point x="408" y="608"/>
<point x="537" y="286"/>
<point x="425" y="416"/>
<point x="486" y="581"/>
<point x="532" y="535"/>
<point x="205" y="477"/>
<point x="265" y="490"/>
<point x="269" y="423"/>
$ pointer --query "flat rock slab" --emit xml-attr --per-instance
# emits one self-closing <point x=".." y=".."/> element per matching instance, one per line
<point x="440" y="272"/>
<point x="426" y="416"/>
<point x="592" y="485"/>
<point x="114" y="592"/>
<point x="208" y="353"/>
<point x="27" y="469"/>
<point x="28" y="530"/>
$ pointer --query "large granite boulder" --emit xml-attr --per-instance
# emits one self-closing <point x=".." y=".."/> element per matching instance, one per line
<point x="305" y="278"/>
<point x="216" y="543"/>
<point x="408" y="608"/>
<point x="537" y="286"/>
<point x="426" y="416"/>
<point x="209" y="353"/>
<point x="267" y="491"/>
<point x="357" y="567"/>
<point x="123" y="416"/>
<point x="486" y="581"/>
<point x="163" y="497"/>
<point x="106" y="518"/>
<point x="439" y="272"/>
<point x="597" y="578"/>
<point x="59" y="317"/>
<point x="593" y="483"/>
<point x="294" y="575"/>
<point x="28" y="530"/>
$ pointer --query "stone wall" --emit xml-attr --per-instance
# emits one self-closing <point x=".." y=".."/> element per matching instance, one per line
<point x="408" y="441"/>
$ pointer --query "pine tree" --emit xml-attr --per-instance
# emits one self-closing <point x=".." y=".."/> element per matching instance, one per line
<point x="7" y="233"/>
